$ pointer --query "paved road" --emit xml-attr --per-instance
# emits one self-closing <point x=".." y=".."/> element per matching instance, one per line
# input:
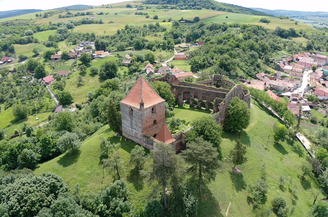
<point x="52" y="95"/>
<point x="305" y="82"/>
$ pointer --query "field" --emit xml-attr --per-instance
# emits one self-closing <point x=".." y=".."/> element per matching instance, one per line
<point x="43" y="36"/>
<point x="280" y="160"/>
<point x="27" y="49"/>
<point x="181" y="64"/>
<point x="255" y="20"/>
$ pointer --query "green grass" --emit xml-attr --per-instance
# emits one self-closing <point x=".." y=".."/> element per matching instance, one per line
<point x="27" y="49"/>
<point x="6" y="116"/>
<point x="43" y="36"/>
<point x="181" y="64"/>
<point x="252" y="19"/>
<point x="280" y="160"/>
<point x="317" y="114"/>
<point x="89" y="82"/>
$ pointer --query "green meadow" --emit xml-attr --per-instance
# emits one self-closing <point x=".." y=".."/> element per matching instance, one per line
<point x="84" y="168"/>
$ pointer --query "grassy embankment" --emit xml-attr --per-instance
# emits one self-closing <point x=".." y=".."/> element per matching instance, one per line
<point x="280" y="160"/>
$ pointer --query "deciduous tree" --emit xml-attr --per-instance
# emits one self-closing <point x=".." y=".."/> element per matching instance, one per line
<point x="69" y="142"/>
<point x="40" y="71"/>
<point x="238" y="115"/>
<point x="65" y="97"/>
<point x="85" y="58"/>
<point x="279" y="132"/>
<point x="114" y="117"/>
<point x="202" y="158"/>
<point x="138" y="157"/>
<point x="164" y="90"/>
<point x="108" y="70"/>
<point x="64" y="121"/>
<point x="238" y="154"/>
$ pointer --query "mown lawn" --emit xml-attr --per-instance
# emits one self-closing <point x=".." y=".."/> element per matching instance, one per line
<point x="43" y="36"/>
<point x="280" y="160"/>
<point x="181" y="64"/>
<point x="6" y="116"/>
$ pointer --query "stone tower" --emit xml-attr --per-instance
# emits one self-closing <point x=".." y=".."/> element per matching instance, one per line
<point x="143" y="113"/>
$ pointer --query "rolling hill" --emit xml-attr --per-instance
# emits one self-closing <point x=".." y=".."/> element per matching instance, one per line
<point x="12" y="13"/>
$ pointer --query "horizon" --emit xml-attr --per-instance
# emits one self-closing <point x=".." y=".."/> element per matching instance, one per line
<point x="6" y="5"/>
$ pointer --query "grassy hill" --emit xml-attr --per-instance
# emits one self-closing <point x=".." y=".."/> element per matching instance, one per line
<point x="12" y="13"/>
<point x="280" y="160"/>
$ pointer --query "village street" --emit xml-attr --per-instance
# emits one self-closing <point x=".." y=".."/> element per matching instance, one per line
<point x="305" y="82"/>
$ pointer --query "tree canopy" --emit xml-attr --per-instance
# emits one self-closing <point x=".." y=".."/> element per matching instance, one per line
<point x="108" y="70"/>
<point x="238" y="115"/>
<point x="164" y="90"/>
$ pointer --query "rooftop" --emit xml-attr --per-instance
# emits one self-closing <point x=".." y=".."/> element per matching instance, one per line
<point x="142" y="92"/>
<point x="164" y="135"/>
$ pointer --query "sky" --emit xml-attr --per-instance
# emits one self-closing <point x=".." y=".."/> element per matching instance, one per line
<point x="313" y="5"/>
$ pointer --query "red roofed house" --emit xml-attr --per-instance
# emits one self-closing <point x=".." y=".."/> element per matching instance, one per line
<point x="143" y="114"/>
<point x="273" y="96"/>
<point x="294" y="108"/>
<point x="149" y="69"/>
<point x="321" y="94"/>
<point x="98" y="52"/>
<point x="200" y="43"/>
<point x="48" y="80"/>
<point x="55" y="57"/>
<point x="180" y="56"/>
<point x="4" y="59"/>
<point x="182" y="76"/>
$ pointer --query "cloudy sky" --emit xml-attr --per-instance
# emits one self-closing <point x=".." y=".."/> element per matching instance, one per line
<point x="313" y="5"/>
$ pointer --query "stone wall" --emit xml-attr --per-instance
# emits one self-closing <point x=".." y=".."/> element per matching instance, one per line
<point x="132" y="123"/>
<point x="153" y="118"/>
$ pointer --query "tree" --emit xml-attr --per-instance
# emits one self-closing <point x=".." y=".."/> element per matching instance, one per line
<point x="69" y="142"/>
<point x="2" y="134"/>
<point x="207" y="128"/>
<point x="108" y="70"/>
<point x="202" y="159"/>
<point x="320" y="209"/>
<point x="138" y="44"/>
<point x="196" y="19"/>
<point x="47" y="147"/>
<point x="65" y="56"/>
<point x="32" y="64"/>
<point x="154" y="209"/>
<point x="28" y="159"/>
<point x="93" y="71"/>
<point x="279" y="132"/>
<point x="238" y="115"/>
<point x="113" y="200"/>
<point x="306" y="169"/>
<point x="114" y="117"/>
<point x="164" y="90"/>
<point x="164" y="166"/>
<point x="137" y="157"/>
<point x="85" y="58"/>
<point x="314" y="68"/>
<point x="238" y="154"/>
<point x="65" y="97"/>
<point x="47" y="55"/>
<point x="155" y="17"/>
<point x="79" y="81"/>
<point x="114" y="161"/>
<point x="150" y="57"/>
<point x="40" y="71"/>
<point x="22" y="57"/>
<point x="20" y="111"/>
<point x="279" y="206"/>
<point x="64" y="121"/>
<point x="289" y="118"/>
<point x="36" y="52"/>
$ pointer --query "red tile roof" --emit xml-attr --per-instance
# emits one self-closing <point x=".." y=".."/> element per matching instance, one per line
<point x="319" y="92"/>
<point x="142" y="91"/>
<point x="148" y="65"/>
<point x="183" y="75"/>
<point x="62" y="73"/>
<point x="99" y="52"/>
<point x="4" y="59"/>
<point x="164" y="135"/>
<point x="48" y="79"/>
<point x="55" y="56"/>
<point x="273" y="96"/>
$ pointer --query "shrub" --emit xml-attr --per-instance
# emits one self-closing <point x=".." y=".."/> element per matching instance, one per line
<point x="279" y="206"/>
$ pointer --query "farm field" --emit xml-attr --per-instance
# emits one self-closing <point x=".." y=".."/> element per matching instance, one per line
<point x="280" y="160"/>
<point x="181" y="64"/>
<point x="43" y="36"/>
<point x="255" y="20"/>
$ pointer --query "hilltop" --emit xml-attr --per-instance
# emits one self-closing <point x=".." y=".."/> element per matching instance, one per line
<point x="12" y="13"/>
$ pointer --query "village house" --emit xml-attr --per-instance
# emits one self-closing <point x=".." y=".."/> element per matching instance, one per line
<point x="127" y="57"/>
<point x="55" y="57"/>
<point x="256" y="84"/>
<point x="86" y="44"/>
<point x="321" y="93"/>
<point x="149" y="69"/>
<point x="280" y="66"/>
<point x="62" y="73"/>
<point x="317" y="75"/>
<point x="48" y="80"/>
<point x="59" y="109"/>
<point x="294" y="108"/>
<point x="72" y="54"/>
<point x="288" y="68"/>
<point x="273" y="96"/>
<point x="180" y="56"/>
<point x="105" y="54"/>
<point x="296" y="75"/>
<point x="176" y="70"/>
<point x="164" y="70"/>
<point x="182" y="76"/>
<point x="294" y="96"/>
<point x="262" y="76"/>
<point x="126" y="62"/>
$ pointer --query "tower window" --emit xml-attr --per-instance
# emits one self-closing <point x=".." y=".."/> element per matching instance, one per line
<point x="130" y="110"/>
<point x="155" y="122"/>
<point x="153" y="110"/>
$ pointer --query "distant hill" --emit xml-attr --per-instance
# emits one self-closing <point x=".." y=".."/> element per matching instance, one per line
<point x="12" y="13"/>
<point x="208" y="4"/>
<point x="292" y="13"/>
<point x="74" y="7"/>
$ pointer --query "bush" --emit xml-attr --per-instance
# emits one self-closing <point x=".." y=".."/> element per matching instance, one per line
<point x="279" y="206"/>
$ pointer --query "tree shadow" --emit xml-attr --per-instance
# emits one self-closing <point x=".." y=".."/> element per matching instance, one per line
<point x="305" y="184"/>
<point x="298" y="149"/>
<point x="69" y="158"/>
<point x="126" y="144"/>
<point x="238" y="181"/>
<point x="280" y="148"/>
<point x="136" y="179"/>
<point x="208" y="205"/>
<point x="234" y="136"/>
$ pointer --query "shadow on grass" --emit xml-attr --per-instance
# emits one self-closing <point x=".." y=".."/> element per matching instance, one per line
<point x="69" y="158"/>
<point x="305" y="184"/>
<point x="208" y="205"/>
<point x="234" y="136"/>
<point x="298" y="149"/>
<point x="126" y="144"/>
<point x="135" y="178"/>
<point x="238" y="181"/>
<point x="280" y="148"/>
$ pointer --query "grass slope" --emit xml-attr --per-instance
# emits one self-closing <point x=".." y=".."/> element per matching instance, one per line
<point x="280" y="160"/>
